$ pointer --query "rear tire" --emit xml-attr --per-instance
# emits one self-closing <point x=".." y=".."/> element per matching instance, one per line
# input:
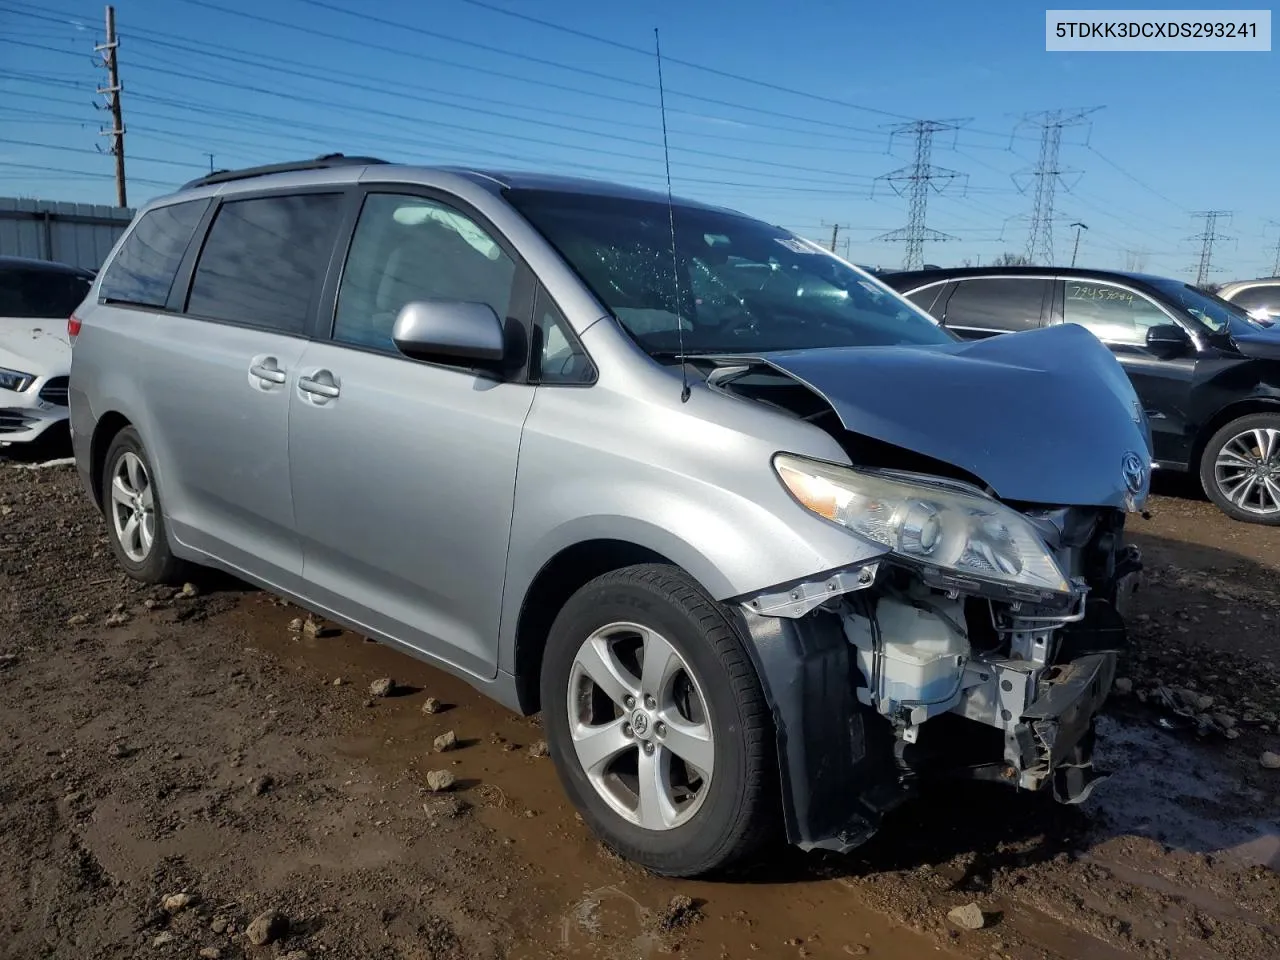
<point x="135" y="514"/>
<point x="644" y="674"/>
<point x="1240" y="469"/>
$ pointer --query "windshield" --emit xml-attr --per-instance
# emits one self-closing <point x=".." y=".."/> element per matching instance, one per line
<point x="743" y="286"/>
<point x="36" y="293"/>
<point x="1214" y="312"/>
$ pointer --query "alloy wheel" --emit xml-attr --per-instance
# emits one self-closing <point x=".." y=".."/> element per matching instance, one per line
<point x="640" y="726"/>
<point x="1247" y="471"/>
<point x="133" y="507"/>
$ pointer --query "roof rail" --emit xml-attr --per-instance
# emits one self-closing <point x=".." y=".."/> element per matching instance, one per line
<point x="319" y="163"/>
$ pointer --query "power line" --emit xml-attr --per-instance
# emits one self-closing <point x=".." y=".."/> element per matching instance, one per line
<point x="920" y="177"/>
<point x="275" y="91"/>
<point x="1046" y="175"/>
<point x="1208" y="238"/>
<point x="1139" y="181"/>
<point x="625" y="46"/>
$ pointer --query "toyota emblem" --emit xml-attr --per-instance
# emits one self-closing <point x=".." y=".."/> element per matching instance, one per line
<point x="1134" y="471"/>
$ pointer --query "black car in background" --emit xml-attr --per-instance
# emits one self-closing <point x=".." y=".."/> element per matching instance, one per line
<point x="1207" y="374"/>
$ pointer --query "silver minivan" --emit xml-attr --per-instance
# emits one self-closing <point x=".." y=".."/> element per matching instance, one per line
<point x="765" y="545"/>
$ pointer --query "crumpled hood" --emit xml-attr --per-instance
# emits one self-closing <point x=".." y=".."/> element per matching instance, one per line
<point x="1047" y="416"/>
<point x="38" y="347"/>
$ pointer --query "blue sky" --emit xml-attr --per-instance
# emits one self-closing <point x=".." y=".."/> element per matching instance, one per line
<point x="456" y="81"/>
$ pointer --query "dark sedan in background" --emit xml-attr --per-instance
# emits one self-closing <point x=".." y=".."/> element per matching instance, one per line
<point x="1207" y="374"/>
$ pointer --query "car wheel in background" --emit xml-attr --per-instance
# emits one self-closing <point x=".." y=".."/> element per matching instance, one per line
<point x="135" y="515"/>
<point x="657" y="722"/>
<point x="1240" y="468"/>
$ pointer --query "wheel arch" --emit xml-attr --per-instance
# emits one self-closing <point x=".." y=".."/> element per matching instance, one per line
<point x="105" y="430"/>
<point x="561" y="577"/>
<point x="1232" y="411"/>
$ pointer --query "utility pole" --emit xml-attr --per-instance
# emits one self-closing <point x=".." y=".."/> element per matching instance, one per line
<point x="919" y="178"/>
<point x="835" y="232"/>
<point x="1046" y="175"/>
<point x="111" y="62"/>
<point x="1076" y="249"/>
<point x="1208" y="237"/>
<point x="210" y="156"/>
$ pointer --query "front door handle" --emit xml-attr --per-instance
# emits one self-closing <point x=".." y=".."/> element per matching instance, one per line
<point x="268" y="370"/>
<point x="318" y="387"/>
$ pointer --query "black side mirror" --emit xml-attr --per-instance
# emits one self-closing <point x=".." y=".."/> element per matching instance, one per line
<point x="1168" y="340"/>
<point x="450" y="331"/>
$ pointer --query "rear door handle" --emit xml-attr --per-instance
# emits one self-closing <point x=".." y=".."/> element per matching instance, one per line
<point x="318" y="388"/>
<point x="268" y="370"/>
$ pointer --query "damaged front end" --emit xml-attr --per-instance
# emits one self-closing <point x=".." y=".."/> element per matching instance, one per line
<point x="887" y="677"/>
<point x="983" y="640"/>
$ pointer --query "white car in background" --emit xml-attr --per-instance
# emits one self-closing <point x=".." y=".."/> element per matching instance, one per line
<point x="36" y="298"/>
<point x="1260" y="297"/>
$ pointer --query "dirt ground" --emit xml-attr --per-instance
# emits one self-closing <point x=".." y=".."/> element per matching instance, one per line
<point x="153" y="745"/>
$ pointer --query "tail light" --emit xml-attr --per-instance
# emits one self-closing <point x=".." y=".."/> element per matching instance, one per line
<point x="73" y="327"/>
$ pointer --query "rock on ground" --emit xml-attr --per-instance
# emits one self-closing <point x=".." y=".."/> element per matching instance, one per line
<point x="446" y="741"/>
<point x="968" y="917"/>
<point x="439" y="781"/>
<point x="177" y="901"/>
<point x="382" y="687"/>
<point x="267" y="928"/>
<point x="431" y="705"/>
<point x="1269" y="760"/>
<point x="540" y="749"/>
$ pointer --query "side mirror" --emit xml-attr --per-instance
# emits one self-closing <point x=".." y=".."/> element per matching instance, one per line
<point x="450" y="331"/>
<point x="1167" y="340"/>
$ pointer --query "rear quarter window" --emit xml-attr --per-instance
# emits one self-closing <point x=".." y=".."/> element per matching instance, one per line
<point x="144" y="269"/>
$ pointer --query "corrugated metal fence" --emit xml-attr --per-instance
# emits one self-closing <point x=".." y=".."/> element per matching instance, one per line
<point x="77" y="233"/>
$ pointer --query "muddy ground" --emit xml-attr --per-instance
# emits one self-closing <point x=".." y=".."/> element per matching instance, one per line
<point x="153" y="745"/>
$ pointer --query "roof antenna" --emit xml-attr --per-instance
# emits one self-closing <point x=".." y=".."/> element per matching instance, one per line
<point x="671" y="217"/>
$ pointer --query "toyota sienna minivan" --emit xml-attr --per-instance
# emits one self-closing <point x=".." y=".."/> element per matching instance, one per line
<point x="765" y="545"/>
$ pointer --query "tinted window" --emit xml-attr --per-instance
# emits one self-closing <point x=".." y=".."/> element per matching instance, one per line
<point x="1266" y="299"/>
<point x="263" y="260"/>
<point x="411" y="248"/>
<point x="28" y="292"/>
<point x="558" y="354"/>
<point x="730" y="285"/>
<point x="925" y="299"/>
<point x="1112" y="313"/>
<point x="1012" y="303"/>
<point x="143" y="271"/>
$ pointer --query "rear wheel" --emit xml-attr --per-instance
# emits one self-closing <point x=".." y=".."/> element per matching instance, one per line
<point x="135" y="515"/>
<point x="657" y="723"/>
<point x="1240" y="469"/>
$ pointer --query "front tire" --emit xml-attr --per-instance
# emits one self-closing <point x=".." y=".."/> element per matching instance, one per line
<point x="1240" y="469"/>
<point x="657" y="723"/>
<point x="135" y="514"/>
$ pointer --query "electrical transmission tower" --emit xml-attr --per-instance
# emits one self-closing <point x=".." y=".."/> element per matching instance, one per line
<point x="915" y="182"/>
<point x="1275" y="268"/>
<point x="1046" y="175"/>
<point x="110" y="62"/>
<point x="1208" y="237"/>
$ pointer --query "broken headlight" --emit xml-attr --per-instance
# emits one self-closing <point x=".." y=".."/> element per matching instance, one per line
<point x="953" y="528"/>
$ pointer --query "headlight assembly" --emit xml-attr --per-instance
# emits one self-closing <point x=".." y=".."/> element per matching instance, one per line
<point x="928" y="525"/>
<point x="15" y="380"/>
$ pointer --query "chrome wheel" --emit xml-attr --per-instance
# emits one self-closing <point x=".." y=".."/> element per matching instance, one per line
<point x="640" y="726"/>
<point x="133" y="507"/>
<point x="1247" y="471"/>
